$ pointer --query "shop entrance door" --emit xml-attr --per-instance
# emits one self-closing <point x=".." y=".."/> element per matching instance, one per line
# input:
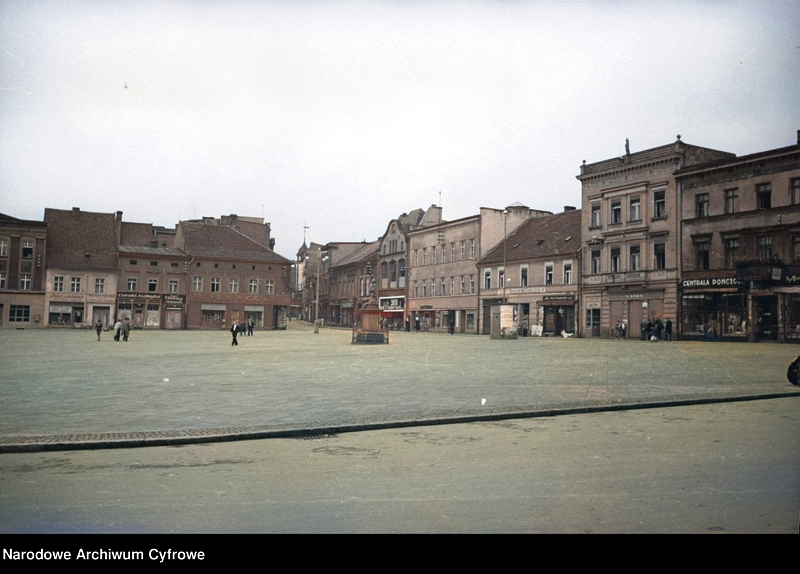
<point x="766" y="318"/>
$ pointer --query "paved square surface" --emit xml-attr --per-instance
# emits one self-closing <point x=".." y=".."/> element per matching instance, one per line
<point x="67" y="385"/>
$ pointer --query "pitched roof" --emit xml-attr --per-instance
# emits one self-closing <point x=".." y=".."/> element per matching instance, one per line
<point x="540" y="237"/>
<point x="222" y="242"/>
<point x="360" y="254"/>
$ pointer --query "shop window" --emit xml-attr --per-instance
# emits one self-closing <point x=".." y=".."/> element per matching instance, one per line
<point x="131" y="284"/>
<point x="765" y="247"/>
<point x="794" y="190"/>
<point x="173" y="285"/>
<point x="58" y="283"/>
<point x="701" y="254"/>
<point x="701" y="205"/>
<point x="764" y="195"/>
<point x="731" y="200"/>
<point x="615" y="253"/>
<point x="567" y="273"/>
<point x="523" y="276"/>
<point x="634" y="258"/>
<point x="152" y="285"/>
<point x="215" y="285"/>
<point x="731" y="251"/>
<point x="660" y="255"/>
<point x="596" y="261"/>
<point x="27" y="249"/>
<point x="596" y="221"/>
<point x="19" y="313"/>
<point x="25" y="281"/>
<point x="99" y="285"/>
<point x="75" y="285"/>
<point x="548" y="274"/>
<point x="616" y="212"/>
<point x="659" y="205"/>
<point x="635" y="209"/>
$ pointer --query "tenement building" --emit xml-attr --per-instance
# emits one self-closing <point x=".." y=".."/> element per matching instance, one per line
<point x="534" y="269"/>
<point x="81" y="278"/>
<point x="352" y="279"/>
<point x="630" y="229"/>
<point x="22" y="272"/>
<point x="740" y="247"/>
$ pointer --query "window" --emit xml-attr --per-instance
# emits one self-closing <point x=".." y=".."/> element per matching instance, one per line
<point x="660" y="254"/>
<point x="472" y="284"/>
<point x="452" y="286"/>
<point x="424" y="287"/>
<point x="152" y="285"/>
<point x="416" y="290"/>
<point x="154" y="264"/>
<point x="27" y="249"/>
<point x="615" y="251"/>
<point x="3" y="248"/>
<point x="131" y="284"/>
<point x="99" y="285"/>
<point x="416" y="258"/>
<point x="501" y="277"/>
<point x="173" y="264"/>
<point x="731" y="251"/>
<point x="659" y="204"/>
<point x="567" y="273"/>
<point x="596" y="222"/>
<point x="794" y="191"/>
<point x="635" y="209"/>
<point x="523" y="276"/>
<point x="731" y="200"/>
<point x="25" y="281"/>
<point x="425" y="256"/>
<point x="701" y="205"/>
<point x="233" y="285"/>
<point x="796" y="248"/>
<point x="269" y="287"/>
<point x="463" y="285"/>
<point x="19" y="313"/>
<point x="548" y="274"/>
<point x="2" y="280"/>
<point x="134" y="262"/>
<point x="173" y="285"/>
<point x="596" y="261"/>
<point x="453" y="250"/>
<point x="472" y="249"/>
<point x="487" y="279"/>
<point x="442" y="284"/>
<point x="433" y="255"/>
<point x="215" y="285"/>
<point x="764" y="195"/>
<point x="75" y="285"/>
<point x="634" y="258"/>
<point x="253" y="286"/>
<point x="463" y="250"/>
<point x="701" y="249"/>
<point x="58" y="283"/>
<point x="197" y="283"/>
<point x="616" y="212"/>
<point x="765" y="248"/>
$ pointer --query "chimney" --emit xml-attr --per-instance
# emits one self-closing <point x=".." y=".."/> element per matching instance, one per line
<point x="569" y="208"/>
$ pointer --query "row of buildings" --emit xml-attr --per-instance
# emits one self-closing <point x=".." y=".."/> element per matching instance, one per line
<point x="701" y="237"/>
<point x="75" y="268"/>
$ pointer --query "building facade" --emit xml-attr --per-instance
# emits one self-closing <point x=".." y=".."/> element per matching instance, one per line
<point x="22" y="273"/>
<point x="630" y="227"/>
<point x="351" y="281"/>
<point x="536" y="271"/>
<point x="740" y="247"/>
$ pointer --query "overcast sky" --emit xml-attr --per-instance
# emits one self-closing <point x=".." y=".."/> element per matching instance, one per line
<point x="342" y="115"/>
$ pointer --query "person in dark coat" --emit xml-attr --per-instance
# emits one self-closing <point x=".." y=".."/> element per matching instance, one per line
<point x="250" y="326"/>
<point x="99" y="328"/>
<point x="126" y="328"/>
<point x="668" y="330"/>
<point x="234" y="333"/>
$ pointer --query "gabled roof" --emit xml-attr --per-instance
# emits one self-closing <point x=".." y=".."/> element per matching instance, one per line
<point x="222" y="242"/>
<point x="367" y="250"/>
<point x="8" y="220"/>
<point x="540" y="237"/>
<point x="144" y="250"/>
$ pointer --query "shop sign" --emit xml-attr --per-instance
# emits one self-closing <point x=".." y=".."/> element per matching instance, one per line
<point x="559" y="298"/>
<point x="174" y="299"/>
<point x="146" y="296"/>
<point x="391" y="303"/>
<point x="717" y="282"/>
<point x="593" y="303"/>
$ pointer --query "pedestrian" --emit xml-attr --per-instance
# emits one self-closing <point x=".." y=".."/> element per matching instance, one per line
<point x="416" y="323"/>
<point x="649" y="329"/>
<point x="99" y="328"/>
<point x="658" y="329"/>
<point x="452" y="327"/>
<point x="250" y="326"/>
<point x="643" y="328"/>
<point x="126" y="328"/>
<point x="234" y="333"/>
<point x="117" y="329"/>
<point x="668" y="330"/>
<point x="408" y="324"/>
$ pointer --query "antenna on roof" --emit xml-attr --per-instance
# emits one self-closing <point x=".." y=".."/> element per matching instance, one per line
<point x="440" y="199"/>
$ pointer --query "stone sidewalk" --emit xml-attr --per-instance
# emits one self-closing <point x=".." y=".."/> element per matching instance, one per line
<point x="64" y="390"/>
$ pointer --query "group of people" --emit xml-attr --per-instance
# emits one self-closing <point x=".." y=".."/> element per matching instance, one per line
<point x="241" y="327"/>
<point x="656" y="330"/>
<point x="121" y="329"/>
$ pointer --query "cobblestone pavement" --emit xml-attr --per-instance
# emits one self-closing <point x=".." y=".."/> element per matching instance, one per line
<point x="63" y="389"/>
